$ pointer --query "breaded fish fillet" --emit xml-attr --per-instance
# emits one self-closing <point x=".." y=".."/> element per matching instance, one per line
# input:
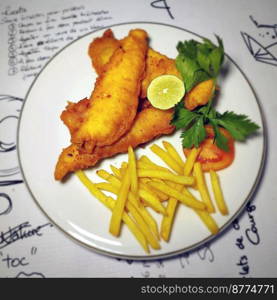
<point x="73" y="115"/>
<point x="114" y="100"/>
<point x="101" y="49"/>
<point x="149" y="124"/>
<point x="157" y="64"/>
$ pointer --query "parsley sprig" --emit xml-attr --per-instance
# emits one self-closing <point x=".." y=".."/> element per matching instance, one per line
<point x="193" y="122"/>
<point x="198" y="62"/>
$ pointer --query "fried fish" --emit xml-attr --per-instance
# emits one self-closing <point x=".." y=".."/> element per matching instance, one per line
<point x="114" y="100"/>
<point x="149" y="124"/>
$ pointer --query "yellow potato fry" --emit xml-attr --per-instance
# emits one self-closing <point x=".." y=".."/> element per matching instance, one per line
<point x="150" y="190"/>
<point x="133" y="173"/>
<point x="94" y="190"/>
<point x="186" y="180"/>
<point x="145" y="163"/>
<point x="110" y="203"/>
<point x="143" y="212"/>
<point x="143" y="183"/>
<point x="208" y="220"/>
<point x="174" y="153"/>
<point x="108" y="187"/>
<point x="167" y="220"/>
<point x="115" y="223"/>
<point x="124" y="165"/>
<point x="191" y="160"/>
<point x="136" y="231"/>
<point x="204" y="215"/>
<point x="219" y="199"/>
<point x="115" y="182"/>
<point x="149" y="220"/>
<point x="122" y="170"/>
<point x="145" y="159"/>
<point x="182" y="189"/>
<point x="115" y="171"/>
<point x="144" y="228"/>
<point x="150" y="166"/>
<point x="162" y="196"/>
<point x="152" y="201"/>
<point x="174" y="185"/>
<point x="202" y="187"/>
<point x="144" y="180"/>
<point x="107" y="176"/>
<point x="166" y="158"/>
<point x="185" y="199"/>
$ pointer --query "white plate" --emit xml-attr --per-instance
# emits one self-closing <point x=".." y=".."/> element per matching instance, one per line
<point x="42" y="135"/>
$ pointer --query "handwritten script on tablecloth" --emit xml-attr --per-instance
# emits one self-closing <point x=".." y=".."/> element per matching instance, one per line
<point x="33" y="38"/>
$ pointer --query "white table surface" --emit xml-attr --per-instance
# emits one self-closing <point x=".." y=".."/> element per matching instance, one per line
<point x="52" y="253"/>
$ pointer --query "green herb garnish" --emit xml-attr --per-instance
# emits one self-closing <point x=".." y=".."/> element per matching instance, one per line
<point x="193" y="122"/>
<point x="198" y="62"/>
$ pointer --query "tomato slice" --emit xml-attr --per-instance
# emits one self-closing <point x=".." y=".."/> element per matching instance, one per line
<point x="211" y="157"/>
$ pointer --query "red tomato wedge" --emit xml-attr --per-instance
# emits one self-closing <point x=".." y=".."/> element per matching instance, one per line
<point x="211" y="157"/>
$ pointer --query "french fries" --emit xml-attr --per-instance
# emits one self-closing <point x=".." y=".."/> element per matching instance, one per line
<point x="208" y="221"/>
<point x="202" y="186"/>
<point x="140" y="185"/>
<point x="115" y="171"/>
<point x="115" y="223"/>
<point x="151" y="200"/>
<point x="133" y="173"/>
<point x="142" y="164"/>
<point x="144" y="183"/>
<point x="167" y="220"/>
<point x="185" y="180"/>
<point x="110" y="203"/>
<point x="166" y="158"/>
<point x="185" y="199"/>
<point x="173" y="204"/>
<point x="173" y="153"/>
<point x="188" y="167"/>
<point x="150" y="237"/>
<point x="114" y="185"/>
<point x="218" y="195"/>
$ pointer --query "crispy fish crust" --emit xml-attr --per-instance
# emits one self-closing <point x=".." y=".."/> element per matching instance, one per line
<point x="114" y="100"/>
<point x="149" y="124"/>
<point x="157" y="64"/>
<point x="101" y="49"/>
<point x="200" y="94"/>
<point x="73" y="115"/>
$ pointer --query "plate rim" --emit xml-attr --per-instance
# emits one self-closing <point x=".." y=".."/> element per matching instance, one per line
<point x="170" y="254"/>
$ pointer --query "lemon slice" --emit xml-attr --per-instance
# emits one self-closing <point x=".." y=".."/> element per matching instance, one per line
<point x="165" y="91"/>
